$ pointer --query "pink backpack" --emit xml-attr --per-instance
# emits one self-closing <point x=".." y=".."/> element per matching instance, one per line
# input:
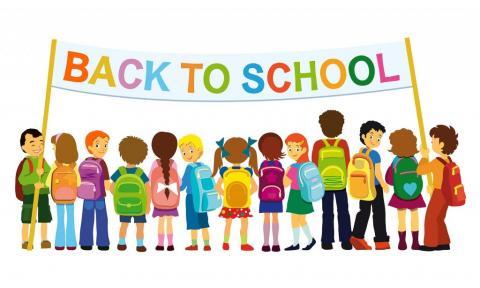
<point x="159" y="188"/>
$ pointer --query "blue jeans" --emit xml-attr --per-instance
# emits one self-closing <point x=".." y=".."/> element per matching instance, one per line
<point x="65" y="237"/>
<point x="344" y="224"/>
<point x="94" y="209"/>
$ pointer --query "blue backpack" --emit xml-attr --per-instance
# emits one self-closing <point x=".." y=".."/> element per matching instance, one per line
<point x="311" y="184"/>
<point x="205" y="197"/>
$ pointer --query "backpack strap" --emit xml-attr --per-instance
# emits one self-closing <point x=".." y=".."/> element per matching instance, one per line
<point x="122" y="170"/>
<point x="325" y="142"/>
<point x="336" y="142"/>
<point x="442" y="161"/>
<point x="396" y="160"/>
<point x="30" y="164"/>
<point x="139" y="172"/>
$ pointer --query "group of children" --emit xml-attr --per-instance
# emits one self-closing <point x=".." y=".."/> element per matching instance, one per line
<point x="328" y="174"/>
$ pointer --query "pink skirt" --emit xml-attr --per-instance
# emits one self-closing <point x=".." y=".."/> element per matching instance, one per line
<point x="398" y="203"/>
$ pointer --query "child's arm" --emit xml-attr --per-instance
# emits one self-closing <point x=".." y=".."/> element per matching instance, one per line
<point x="254" y="186"/>
<point x="185" y="178"/>
<point x="316" y="148"/>
<point x="379" y="175"/>
<point x="48" y="181"/>
<point x="79" y="180"/>
<point x="287" y="181"/>
<point x="25" y="177"/>
<point x="219" y="186"/>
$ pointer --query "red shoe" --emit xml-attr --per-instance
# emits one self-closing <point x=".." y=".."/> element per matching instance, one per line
<point x="246" y="247"/>
<point x="359" y="244"/>
<point x="225" y="246"/>
<point x="192" y="248"/>
<point x="382" y="245"/>
<point x="207" y="248"/>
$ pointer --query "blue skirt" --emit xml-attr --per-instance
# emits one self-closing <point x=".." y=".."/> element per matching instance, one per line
<point x="195" y="221"/>
<point x="271" y="207"/>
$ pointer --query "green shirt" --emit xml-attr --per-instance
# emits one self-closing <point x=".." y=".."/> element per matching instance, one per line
<point x="28" y="178"/>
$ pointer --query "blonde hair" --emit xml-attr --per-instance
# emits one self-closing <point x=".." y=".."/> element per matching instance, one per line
<point x="191" y="139"/>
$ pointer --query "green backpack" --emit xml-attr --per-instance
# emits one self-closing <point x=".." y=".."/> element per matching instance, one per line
<point x="407" y="184"/>
<point x="332" y="167"/>
<point x="130" y="195"/>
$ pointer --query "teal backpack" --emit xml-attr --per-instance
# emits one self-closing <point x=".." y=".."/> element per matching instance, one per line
<point x="332" y="167"/>
<point x="130" y="195"/>
<point x="407" y="184"/>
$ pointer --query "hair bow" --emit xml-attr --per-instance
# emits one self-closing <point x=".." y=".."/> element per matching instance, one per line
<point x="250" y="142"/>
<point x="220" y="144"/>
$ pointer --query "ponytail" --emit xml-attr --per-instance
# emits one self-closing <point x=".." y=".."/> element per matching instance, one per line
<point x="165" y="164"/>
<point x="252" y="161"/>
<point x="217" y="161"/>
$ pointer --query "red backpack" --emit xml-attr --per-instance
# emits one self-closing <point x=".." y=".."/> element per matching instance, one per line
<point x="452" y="186"/>
<point x="18" y="186"/>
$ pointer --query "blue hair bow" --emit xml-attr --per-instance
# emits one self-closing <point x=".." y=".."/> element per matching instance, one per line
<point x="220" y="144"/>
<point x="250" y="142"/>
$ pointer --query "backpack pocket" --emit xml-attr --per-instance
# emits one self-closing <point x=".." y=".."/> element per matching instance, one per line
<point x="210" y="201"/>
<point x="237" y="195"/>
<point x="359" y="187"/>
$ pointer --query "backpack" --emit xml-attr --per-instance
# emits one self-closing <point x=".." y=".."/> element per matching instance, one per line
<point x="361" y="177"/>
<point x="18" y="186"/>
<point x="332" y="167"/>
<point x="205" y="197"/>
<point x="130" y="195"/>
<point x="92" y="185"/>
<point x="452" y="186"/>
<point x="407" y="184"/>
<point x="271" y="182"/>
<point x="64" y="184"/>
<point x="159" y="193"/>
<point x="237" y="183"/>
<point x="311" y="184"/>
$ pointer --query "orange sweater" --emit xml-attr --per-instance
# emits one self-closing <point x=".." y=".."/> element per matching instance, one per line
<point x="435" y="167"/>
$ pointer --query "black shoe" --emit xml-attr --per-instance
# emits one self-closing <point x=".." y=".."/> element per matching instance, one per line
<point x="293" y="247"/>
<point x="170" y="248"/>
<point x="103" y="248"/>
<point x="310" y="246"/>
<point x="276" y="248"/>
<point x="327" y="246"/>
<point x="121" y="247"/>
<point x="443" y="247"/>
<point x="86" y="248"/>
<point x="346" y="245"/>
<point x="159" y="248"/>
<point x="426" y="248"/>
<point x="266" y="248"/>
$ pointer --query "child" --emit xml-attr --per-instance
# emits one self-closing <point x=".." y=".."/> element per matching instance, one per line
<point x="95" y="177"/>
<point x="297" y="151"/>
<point x="236" y="184"/>
<point x="371" y="133"/>
<point x="332" y="156"/>
<point x="402" y="172"/>
<point x="133" y="151"/>
<point x="444" y="143"/>
<point x="29" y="178"/>
<point x="165" y="186"/>
<point x="64" y="180"/>
<point x="271" y="191"/>
<point x="191" y="147"/>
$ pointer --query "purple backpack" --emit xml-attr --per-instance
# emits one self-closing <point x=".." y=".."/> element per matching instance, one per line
<point x="271" y="181"/>
<point x="91" y="174"/>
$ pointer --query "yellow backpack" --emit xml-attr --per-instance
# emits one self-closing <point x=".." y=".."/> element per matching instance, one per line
<point x="237" y="183"/>
<point x="361" y="177"/>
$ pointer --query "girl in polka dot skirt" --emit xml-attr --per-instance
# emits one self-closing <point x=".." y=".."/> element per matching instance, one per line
<point x="236" y="184"/>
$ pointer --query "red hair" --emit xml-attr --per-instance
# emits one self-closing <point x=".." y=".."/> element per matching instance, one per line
<point x="302" y="141"/>
<point x="94" y="135"/>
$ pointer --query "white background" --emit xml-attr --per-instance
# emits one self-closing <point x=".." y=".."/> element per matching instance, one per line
<point x="446" y="56"/>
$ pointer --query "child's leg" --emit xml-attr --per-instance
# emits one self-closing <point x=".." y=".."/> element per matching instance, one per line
<point x="194" y="236"/>
<point x="161" y="230"/>
<point x="402" y="215"/>
<point x="226" y="233"/>
<point x="244" y="230"/>
<point x="206" y="237"/>
<point x="71" y="237"/>
<point x="295" y="229"/>
<point x="169" y="230"/>
<point x="305" y="228"/>
<point x="414" y="220"/>
<point x="60" y="233"/>
<point x="266" y="229"/>
<point x="25" y="232"/>
<point x="275" y="228"/>
<point x="123" y="233"/>
<point x="140" y="235"/>
<point x="44" y="231"/>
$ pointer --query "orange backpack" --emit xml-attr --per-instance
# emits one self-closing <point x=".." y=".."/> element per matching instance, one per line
<point x="64" y="184"/>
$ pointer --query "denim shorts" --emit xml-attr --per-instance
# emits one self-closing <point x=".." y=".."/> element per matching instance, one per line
<point x="136" y="219"/>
